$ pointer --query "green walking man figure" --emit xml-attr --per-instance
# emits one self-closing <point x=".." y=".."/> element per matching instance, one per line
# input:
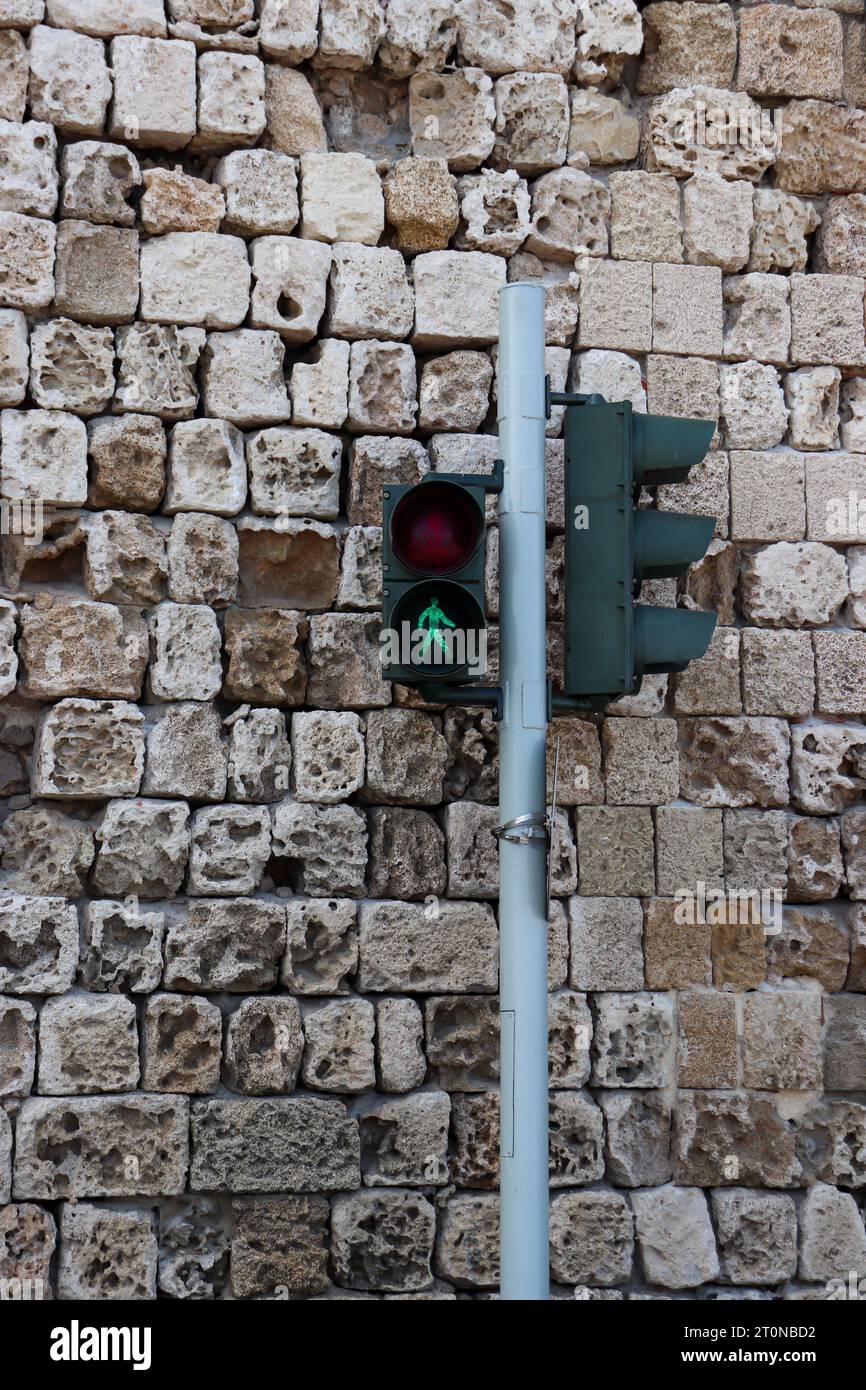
<point x="434" y="617"/>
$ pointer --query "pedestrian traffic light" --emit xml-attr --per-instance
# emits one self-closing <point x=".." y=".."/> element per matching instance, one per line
<point x="611" y="451"/>
<point x="433" y="547"/>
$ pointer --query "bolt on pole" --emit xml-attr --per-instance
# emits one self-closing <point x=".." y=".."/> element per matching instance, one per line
<point x="524" y="1240"/>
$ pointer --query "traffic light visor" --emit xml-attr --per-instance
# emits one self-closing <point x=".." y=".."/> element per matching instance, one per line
<point x="436" y="528"/>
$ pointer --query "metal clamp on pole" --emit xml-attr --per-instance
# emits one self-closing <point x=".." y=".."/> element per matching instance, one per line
<point x="530" y="829"/>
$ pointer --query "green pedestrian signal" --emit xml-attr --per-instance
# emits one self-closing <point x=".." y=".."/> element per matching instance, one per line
<point x="612" y="545"/>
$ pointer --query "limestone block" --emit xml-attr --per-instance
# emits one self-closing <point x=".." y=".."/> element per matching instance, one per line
<point x="843" y="1044"/>
<point x="675" y="1237"/>
<point x="88" y="1043"/>
<point x="616" y="305"/>
<point x="451" y="117"/>
<point x="421" y="204"/>
<point x="718" y="221"/>
<point x="73" y="647"/>
<point x="570" y="212"/>
<point x="26" y="261"/>
<point x="841" y="242"/>
<point x="756" y="844"/>
<point x="687" y="309"/>
<point x="181" y="1044"/>
<point x="8" y="658"/>
<point x="754" y="414"/>
<point x="638" y="1137"/>
<point x="259" y="755"/>
<point x="294" y="472"/>
<point x="370" y="296"/>
<point x="122" y="950"/>
<point x="293" y="112"/>
<point x="707" y="1043"/>
<point x="853" y="826"/>
<point x="98" y="179"/>
<point x="615" y="851"/>
<point x="290" y="286"/>
<point x="71" y="367"/>
<point x="125" y="558"/>
<point x="18" y="1054"/>
<point x="279" y="1244"/>
<point x="28" y="180"/>
<point x="289" y="31"/>
<point x="154" y="92"/>
<point x="401" y="1064"/>
<point x="264" y="651"/>
<point x="322" y="947"/>
<point x="70" y="85"/>
<point x="301" y="1144"/>
<point x="206" y="469"/>
<point x="195" y="278"/>
<point x="778" y="673"/>
<point x="633" y="1042"/>
<point x="677" y="953"/>
<point x="645" y="217"/>
<point x="202" y="554"/>
<point x="382" y="1240"/>
<point x="260" y="188"/>
<point x="687" y="132"/>
<point x="417" y="36"/>
<point x="449" y="949"/>
<point x="611" y="33"/>
<point x="106" y="1254"/>
<point x="456" y="291"/>
<point x="767" y="496"/>
<point x="88" y="749"/>
<point x="711" y="684"/>
<point x="569" y="1031"/>
<point x="14" y="356"/>
<point x="640" y="761"/>
<point x="533" y="37"/>
<point x="320" y="387"/>
<point x="341" y="198"/>
<point x="229" y="849"/>
<point x="404" y="1142"/>
<point x="532" y="123"/>
<point x="142" y="848"/>
<point x="602" y="130"/>
<point x="231" y="100"/>
<point x="853" y="415"/>
<point x="614" y="375"/>
<point x="725" y="1138"/>
<point x="338" y="1047"/>
<point x="827" y="319"/>
<point x="814" y="860"/>
<point x="735" y="762"/>
<point x="495" y="212"/>
<point x="186" y="756"/>
<point x="328" y="756"/>
<point x="264" y="1043"/>
<point x="382" y="386"/>
<point x="96" y="273"/>
<point x="407" y="854"/>
<point x="40" y="950"/>
<point x="103" y="18"/>
<point x="606" y="944"/>
<point x="176" y="202"/>
<point x="580" y="779"/>
<point x="291" y="561"/>
<point x="23" y="13"/>
<point x="462" y="1041"/>
<point x="689" y="848"/>
<point x="455" y="391"/>
<point x="349" y="33"/>
<point x="473" y="866"/>
<point x="220" y="947"/>
<point x="812" y="395"/>
<point x="834" y="482"/>
<point x="829" y="1142"/>
<point x="782" y="1040"/>
<point x="832" y="1238"/>
<point x="186" y="662"/>
<point x="757" y="317"/>
<point x="828" y="770"/>
<point x="591" y="1238"/>
<point x="27" y="1231"/>
<point x="782" y="224"/>
<point x="156" y="371"/>
<point x="14" y="71"/>
<point x="784" y="585"/>
<point x="838" y="676"/>
<point x="855" y="609"/>
<point x="327" y="846"/>
<point x="63" y="1145"/>
<point x="796" y="54"/>
<point x="687" y="43"/>
<point x="243" y="379"/>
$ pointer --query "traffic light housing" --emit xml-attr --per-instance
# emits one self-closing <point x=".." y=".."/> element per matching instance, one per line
<point x="434" y="627"/>
<point x="611" y="545"/>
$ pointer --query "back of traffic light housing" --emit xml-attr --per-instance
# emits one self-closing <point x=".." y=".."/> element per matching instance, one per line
<point x="433" y="589"/>
<point x="612" y="545"/>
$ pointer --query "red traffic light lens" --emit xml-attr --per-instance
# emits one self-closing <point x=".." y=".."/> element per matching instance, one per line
<point x="436" y="528"/>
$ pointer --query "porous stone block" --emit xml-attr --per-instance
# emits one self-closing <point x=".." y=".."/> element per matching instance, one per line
<point x="834" y="484"/>
<point x="768" y="500"/>
<point x="186" y="756"/>
<point x="757" y="317"/>
<point x="264" y="650"/>
<point x="290" y="286"/>
<point x="637" y="1148"/>
<point x="327" y="847"/>
<point x="449" y="948"/>
<point x="46" y="852"/>
<point x="122" y="948"/>
<point x="778" y="673"/>
<point x="641" y="765"/>
<point x="231" y="947"/>
<point x="382" y="1240"/>
<point x="229" y="849"/>
<point x="815" y="870"/>
<point x="40" y="936"/>
<point x="602" y="129"/>
<point x="802" y="585"/>
<point x="124" y="559"/>
<point x="44" y="456"/>
<point x="853" y="413"/>
<point x="28" y="181"/>
<point x="14" y="71"/>
<point x="782" y="225"/>
<point x="294" y="472"/>
<point x="98" y="179"/>
<point x="606" y="944"/>
<point x="753" y="411"/>
<point x="338" y="1046"/>
<point x="456" y="291"/>
<point x="264" y="1045"/>
<point x="231" y="100"/>
<point x="616" y="305"/>
<point x="533" y="37"/>
<point x="260" y="188"/>
<point x="461" y="1038"/>
<point x="328" y="756"/>
<point x="88" y="1044"/>
<point x="782" y="1040"/>
<point x="407" y="757"/>
<point x="687" y="309"/>
<point x="322" y="949"/>
<point x="176" y="202"/>
<point x="259" y="755"/>
<point x="300" y="1144"/>
<point x="96" y="273"/>
<point x="796" y="54"/>
<point x="687" y="43"/>
<point x="827" y="319"/>
<point x="341" y="198"/>
<point x="186" y="659"/>
<point x="195" y="279"/>
<point x="828" y="771"/>
<point x="677" y="952"/>
<point x="181" y="1044"/>
<point x="375" y="462"/>
<point x="400" y="1061"/>
<point x="369" y="293"/>
<point x="735" y="762"/>
<point x="193" y="1250"/>
<point x="569" y="1033"/>
<point x="206" y="468"/>
<point x="156" y="369"/>
<point x="70" y="84"/>
<point x="293" y="112"/>
<point x="730" y="1139"/>
<point x="532" y="122"/>
<point x="591" y="1238"/>
<point x="675" y="1237"/>
<point x="243" y="379"/>
<point x="26" y="261"/>
<point x="687" y="132"/>
<point x="343" y="656"/>
<point x="707" y="1040"/>
<point x="71" y="366"/>
<point x="473" y="860"/>
<point x="570" y="213"/>
<point x="832" y="1239"/>
<point x="454" y="392"/>
<point x="103" y="18"/>
<point x="142" y="848"/>
<point x="615" y="851"/>
<point x="421" y="204"/>
<point x="102" y="1146"/>
<point x="320" y="387"/>
<point x="14" y="356"/>
<point x="451" y="116"/>
<point x="844" y="1064"/>
<point x="88" y="748"/>
<point x="17" y="1048"/>
<point x="838" y="672"/>
<point x="718" y="221"/>
<point x="154" y="92"/>
<point x="106" y="1254"/>
<point x="853" y="826"/>
<point x="202" y="556"/>
<point x="812" y="395"/>
<point x="73" y="647"/>
<point x="288" y="561"/>
<point x="404" y="1142"/>
<point x="757" y="1235"/>
<point x="645" y="217"/>
<point x="634" y="1042"/>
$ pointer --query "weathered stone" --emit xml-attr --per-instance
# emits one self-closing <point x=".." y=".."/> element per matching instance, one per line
<point x="601" y="130"/>
<point x="735" y="762"/>
<point x="260" y="188"/>
<point x="678" y="326"/>
<point x="89" y="749"/>
<point x="232" y="947"/>
<point x="88" y="1043"/>
<point x="757" y="1233"/>
<point x="532" y="123"/>
<point x="467" y="1249"/>
<point x="677" y="953"/>
<point x="344" y="662"/>
<point x="814" y="859"/>
<point x="832" y="1239"/>
<point x="375" y="462"/>
<point x="264" y="1043"/>
<point x="615" y="851"/>
<point x="844" y="1064"/>
<point x="97" y="279"/>
<point x="451" y="947"/>
<point x="44" y="456"/>
<point x="14" y="354"/>
<point x="417" y="36"/>
<point x="26" y="261"/>
<point x="821" y="149"/>
<point x="243" y="379"/>
<point x="757" y="317"/>
<point x="687" y="43"/>
<point x="828" y="767"/>
<point x="229" y="849"/>
<point x="606" y="944"/>
<point x="122" y="948"/>
<point x="451" y="116"/>
<point x="98" y="179"/>
<point x="707" y="1046"/>
<point x="782" y="1040"/>
<point x="193" y="1249"/>
<point x="185" y="753"/>
<point x="154" y="92"/>
<point x="591" y="1238"/>
<point x="70" y="84"/>
<point x="689" y="129"/>
<point x="724" y="1138"/>
<point x="290" y="280"/>
<point x="322" y="949"/>
<point x="294" y="116"/>
<point x="142" y="848"/>
<point x="675" y="1237"/>
<point x="645" y="217"/>
<point x="46" y="851"/>
<point x="29" y="177"/>
<point x="102" y="18"/>
<point x="462" y="1041"/>
<point x="382" y="1240"/>
<point x="186" y="662"/>
<point x="532" y="37"/>
<point x="287" y="561"/>
<point x="634" y="1040"/>
<point x="626" y="285"/>
<point x="753" y="410"/>
<point x="456" y="290"/>
<point x="195" y="278"/>
<point x="640" y="761"/>
<point x="279" y="1244"/>
<point x="102" y="1146"/>
<point x="181" y="1044"/>
<point x="106" y="1254"/>
<point x="570" y="212"/>
<point x="338" y="1048"/>
<point x="827" y="319"/>
<point x="301" y="1144"/>
<point x="325" y="846"/>
<point x="17" y="1048"/>
<point x="791" y="55"/>
<point x="382" y="387"/>
<point x="788" y="585"/>
<point x="14" y="71"/>
<point x="27" y="1241"/>
<point x="830" y="1139"/>
<point x="265" y="656"/>
<point x="231" y="101"/>
<point x="176" y="202"/>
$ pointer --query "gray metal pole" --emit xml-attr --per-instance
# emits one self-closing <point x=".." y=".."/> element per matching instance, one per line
<point x="522" y="797"/>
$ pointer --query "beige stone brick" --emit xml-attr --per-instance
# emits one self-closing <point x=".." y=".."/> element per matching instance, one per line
<point x="616" y="305"/>
<point x="790" y="52"/>
<point x="768" y="500"/>
<point x="707" y="1040"/>
<point x="645" y="217"/>
<point x="778" y="673"/>
<point x="687" y="310"/>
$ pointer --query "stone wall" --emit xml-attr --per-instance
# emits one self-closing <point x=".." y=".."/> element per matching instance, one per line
<point x="249" y="264"/>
